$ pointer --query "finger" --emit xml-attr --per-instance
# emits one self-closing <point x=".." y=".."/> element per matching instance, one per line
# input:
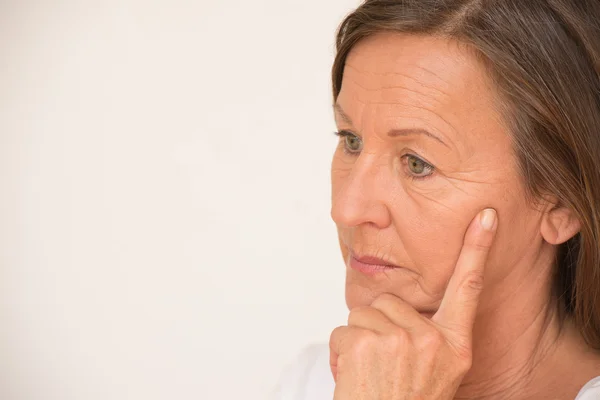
<point x="340" y="342"/>
<point x="459" y="306"/>
<point x="399" y="312"/>
<point x="371" y="318"/>
<point x="335" y="343"/>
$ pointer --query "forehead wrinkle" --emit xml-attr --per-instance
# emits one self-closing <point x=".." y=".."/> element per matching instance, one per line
<point x="423" y="103"/>
<point x="404" y="75"/>
<point x="424" y="97"/>
<point x="381" y="88"/>
<point x="381" y="73"/>
<point x="452" y="142"/>
<point x="430" y="72"/>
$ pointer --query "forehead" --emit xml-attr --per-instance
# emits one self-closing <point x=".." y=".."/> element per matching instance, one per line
<point x="435" y="80"/>
<point x="386" y="60"/>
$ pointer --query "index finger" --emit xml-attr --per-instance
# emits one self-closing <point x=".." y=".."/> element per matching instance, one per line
<point x="459" y="305"/>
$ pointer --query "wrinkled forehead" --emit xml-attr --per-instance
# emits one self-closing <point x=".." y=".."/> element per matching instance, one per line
<point x="434" y="78"/>
<point x="438" y="66"/>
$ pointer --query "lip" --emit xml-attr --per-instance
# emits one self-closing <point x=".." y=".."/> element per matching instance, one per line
<point x="370" y="265"/>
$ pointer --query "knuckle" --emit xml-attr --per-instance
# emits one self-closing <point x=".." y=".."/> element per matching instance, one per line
<point x="473" y="281"/>
<point x="364" y="342"/>
<point x="335" y="334"/>
<point x="431" y="341"/>
<point x="465" y="357"/>
<point x="397" y="340"/>
<point x="429" y="345"/>
<point x="337" y="330"/>
<point x="465" y="363"/>
<point x="479" y="244"/>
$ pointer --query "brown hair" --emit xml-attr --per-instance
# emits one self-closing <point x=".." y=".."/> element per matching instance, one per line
<point x="544" y="56"/>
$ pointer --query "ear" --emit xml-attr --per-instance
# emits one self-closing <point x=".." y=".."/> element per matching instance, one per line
<point x="559" y="224"/>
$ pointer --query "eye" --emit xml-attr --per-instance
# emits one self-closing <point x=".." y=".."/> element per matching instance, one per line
<point x="418" y="169"/>
<point x="352" y="143"/>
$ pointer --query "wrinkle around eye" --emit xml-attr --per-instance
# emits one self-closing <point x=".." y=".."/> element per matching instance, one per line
<point x="437" y="193"/>
<point x="429" y="197"/>
<point x="342" y="161"/>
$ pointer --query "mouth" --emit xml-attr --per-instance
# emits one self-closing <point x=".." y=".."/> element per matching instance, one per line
<point x="370" y="265"/>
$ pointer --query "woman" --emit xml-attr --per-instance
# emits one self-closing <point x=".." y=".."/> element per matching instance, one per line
<point x="466" y="193"/>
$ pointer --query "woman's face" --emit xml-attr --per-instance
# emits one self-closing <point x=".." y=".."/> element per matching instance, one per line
<point x="423" y="151"/>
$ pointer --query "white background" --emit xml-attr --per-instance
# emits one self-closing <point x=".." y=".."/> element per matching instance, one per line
<point x="164" y="205"/>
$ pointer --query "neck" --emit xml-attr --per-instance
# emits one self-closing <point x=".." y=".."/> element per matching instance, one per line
<point x="521" y="350"/>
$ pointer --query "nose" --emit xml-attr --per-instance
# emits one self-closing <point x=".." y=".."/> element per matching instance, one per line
<point x="359" y="196"/>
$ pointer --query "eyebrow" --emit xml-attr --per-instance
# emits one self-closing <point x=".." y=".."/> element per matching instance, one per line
<point x="393" y="132"/>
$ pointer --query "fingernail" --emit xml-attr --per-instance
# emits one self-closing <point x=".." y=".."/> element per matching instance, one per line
<point x="488" y="219"/>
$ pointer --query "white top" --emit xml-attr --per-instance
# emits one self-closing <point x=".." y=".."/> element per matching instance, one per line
<point x="309" y="378"/>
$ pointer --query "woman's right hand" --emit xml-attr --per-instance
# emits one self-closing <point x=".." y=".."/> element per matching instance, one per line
<point x="389" y="351"/>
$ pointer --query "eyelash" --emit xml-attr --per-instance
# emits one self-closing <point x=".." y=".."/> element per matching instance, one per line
<point x="343" y="134"/>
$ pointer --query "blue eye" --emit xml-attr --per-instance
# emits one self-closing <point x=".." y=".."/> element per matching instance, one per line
<point x="352" y="143"/>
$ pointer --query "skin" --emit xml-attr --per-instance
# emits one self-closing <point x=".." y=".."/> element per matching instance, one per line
<point x="512" y="347"/>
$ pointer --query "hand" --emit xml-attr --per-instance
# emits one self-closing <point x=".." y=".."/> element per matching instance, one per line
<point x="389" y="351"/>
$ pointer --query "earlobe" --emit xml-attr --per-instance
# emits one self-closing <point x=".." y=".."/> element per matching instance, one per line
<point x="559" y="225"/>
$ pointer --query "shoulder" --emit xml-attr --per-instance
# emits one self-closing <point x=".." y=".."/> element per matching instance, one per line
<point x="308" y="377"/>
<point x="591" y="391"/>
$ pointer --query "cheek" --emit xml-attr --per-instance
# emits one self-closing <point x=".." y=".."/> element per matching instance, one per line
<point x="340" y="170"/>
<point x="431" y="234"/>
<point x="431" y="227"/>
<point x="517" y="240"/>
<point x="432" y="220"/>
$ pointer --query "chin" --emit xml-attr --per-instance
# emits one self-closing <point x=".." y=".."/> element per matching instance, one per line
<point x="361" y="292"/>
<point x="357" y="296"/>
